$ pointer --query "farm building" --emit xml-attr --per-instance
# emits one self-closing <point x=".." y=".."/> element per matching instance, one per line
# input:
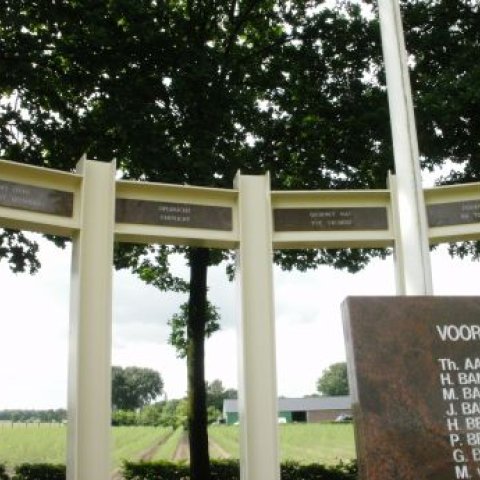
<point x="310" y="410"/>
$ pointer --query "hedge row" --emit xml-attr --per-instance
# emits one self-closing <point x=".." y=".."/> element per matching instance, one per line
<point x="3" y="473"/>
<point x="221" y="470"/>
<point x="230" y="470"/>
<point x="39" y="471"/>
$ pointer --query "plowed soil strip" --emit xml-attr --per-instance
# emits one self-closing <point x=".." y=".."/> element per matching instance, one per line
<point x="144" y="456"/>
<point x="182" y="453"/>
<point x="216" y="451"/>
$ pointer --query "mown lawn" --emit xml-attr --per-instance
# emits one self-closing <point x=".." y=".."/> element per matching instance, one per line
<point x="46" y="443"/>
<point x="326" y="443"/>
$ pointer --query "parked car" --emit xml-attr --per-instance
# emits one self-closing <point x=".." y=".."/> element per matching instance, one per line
<point x="344" y="419"/>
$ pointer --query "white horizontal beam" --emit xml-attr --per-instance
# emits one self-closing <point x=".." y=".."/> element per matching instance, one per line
<point x="312" y="198"/>
<point x="37" y="222"/>
<point x="148" y="234"/>
<point x="338" y="239"/>
<point x="454" y="212"/>
<point x="174" y="214"/>
<point x="332" y="219"/>
<point x="177" y="233"/>
<point x="29" y="195"/>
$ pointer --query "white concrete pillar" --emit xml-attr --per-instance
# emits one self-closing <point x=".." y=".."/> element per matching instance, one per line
<point x="398" y="251"/>
<point x="89" y="385"/>
<point x="412" y="221"/>
<point x="259" y="459"/>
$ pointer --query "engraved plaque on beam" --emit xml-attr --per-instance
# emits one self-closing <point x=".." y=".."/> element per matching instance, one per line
<point x="325" y="219"/>
<point x="455" y="213"/>
<point x="172" y="214"/>
<point x="36" y="199"/>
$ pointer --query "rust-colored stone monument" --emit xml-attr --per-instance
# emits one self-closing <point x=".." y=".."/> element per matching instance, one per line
<point x="414" y="372"/>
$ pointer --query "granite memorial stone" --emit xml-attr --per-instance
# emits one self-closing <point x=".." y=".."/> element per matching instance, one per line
<point x="414" y="371"/>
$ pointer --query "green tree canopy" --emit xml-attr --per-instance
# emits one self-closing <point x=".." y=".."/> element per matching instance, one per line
<point x="173" y="413"/>
<point x="334" y="380"/>
<point x="217" y="393"/>
<point x="134" y="387"/>
<point x="191" y="91"/>
<point x="179" y="321"/>
<point x="19" y="251"/>
<point x="443" y="37"/>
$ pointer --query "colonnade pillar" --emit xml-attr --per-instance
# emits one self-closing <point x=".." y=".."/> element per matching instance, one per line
<point x="412" y="256"/>
<point x="89" y="382"/>
<point x="259" y="458"/>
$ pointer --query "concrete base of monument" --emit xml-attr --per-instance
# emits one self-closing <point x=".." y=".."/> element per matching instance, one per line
<point x="414" y="372"/>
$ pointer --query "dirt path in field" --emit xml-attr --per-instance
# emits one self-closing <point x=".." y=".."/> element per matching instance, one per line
<point x="144" y="456"/>
<point x="218" y="450"/>
<point x="148" y="454"/>
<point x="117" y="474"/>
<point x="182" y="452"/>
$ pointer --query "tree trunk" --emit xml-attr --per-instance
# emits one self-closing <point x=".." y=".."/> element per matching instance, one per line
<point x="197" y="404"/>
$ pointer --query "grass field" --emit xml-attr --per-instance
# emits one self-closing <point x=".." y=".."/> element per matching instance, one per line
<point x="45" y="443"/>
<point x="326" y="443"/>
<point x="305" y="443"/>
<point x="32" y="443"/>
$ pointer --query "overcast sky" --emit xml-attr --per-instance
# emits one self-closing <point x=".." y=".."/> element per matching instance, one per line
<point x="34" y="324"/>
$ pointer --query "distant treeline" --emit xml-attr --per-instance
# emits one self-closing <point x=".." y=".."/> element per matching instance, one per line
<point x="43" y="416"/>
